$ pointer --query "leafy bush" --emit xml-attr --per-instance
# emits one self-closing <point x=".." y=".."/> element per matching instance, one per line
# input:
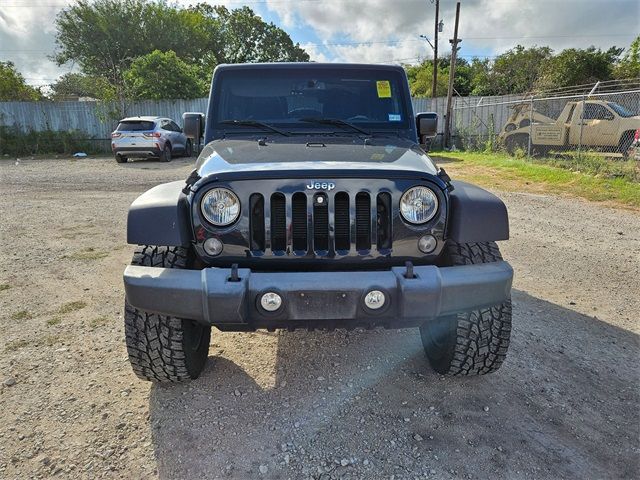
<point x="15" y="142"/>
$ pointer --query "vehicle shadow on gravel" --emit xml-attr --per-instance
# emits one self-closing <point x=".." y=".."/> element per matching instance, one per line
<point x="365" y="404"/>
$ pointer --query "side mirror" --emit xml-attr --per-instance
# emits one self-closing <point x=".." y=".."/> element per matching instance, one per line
<point x="193" y="124"/>
<point x="427" y="125"/>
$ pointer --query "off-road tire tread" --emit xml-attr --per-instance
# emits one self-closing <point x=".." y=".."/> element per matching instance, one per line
<point x="155" y="342"/>
<point x="482" y="336"/>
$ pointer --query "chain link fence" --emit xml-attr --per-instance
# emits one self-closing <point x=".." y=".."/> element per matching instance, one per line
<point x="557" y="125"/>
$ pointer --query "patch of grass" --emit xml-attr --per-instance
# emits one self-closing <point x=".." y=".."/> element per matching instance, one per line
<point x="50" y="340"/>
<point x="21" y="315"/>
<point x="54" y="321"/>
<point x="71" y="307"/>
<point x="100" y="321"/>
<point x="16" y="345"/>
<point x="89" y="253"/>
<point x="4" y="286"/>
<point x="522" y="174"/>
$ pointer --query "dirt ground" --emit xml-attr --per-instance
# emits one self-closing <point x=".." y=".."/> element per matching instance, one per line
<point x="363" y="404"/>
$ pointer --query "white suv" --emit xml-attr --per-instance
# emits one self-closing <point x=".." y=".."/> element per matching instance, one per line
<point x="146" y="137"/>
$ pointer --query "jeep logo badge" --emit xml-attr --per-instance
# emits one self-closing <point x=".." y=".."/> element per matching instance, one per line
<point x="321" y="186"/>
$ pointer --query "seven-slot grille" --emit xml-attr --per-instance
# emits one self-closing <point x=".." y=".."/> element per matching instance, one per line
<point x="320" y="223"/>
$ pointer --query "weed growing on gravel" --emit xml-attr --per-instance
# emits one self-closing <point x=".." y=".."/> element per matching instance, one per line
<point x="54" y="321"/>
<point x="4" y="286"/>
<point x="72" y="307"/>
<point x="21" y="315"/>
<point x="15" y="345"/>
<point x="89" y="253"/>
<point x="100" y="321"/>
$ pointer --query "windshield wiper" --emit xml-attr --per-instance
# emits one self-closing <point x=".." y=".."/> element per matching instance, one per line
<point x="334" y="121"/>
<point x="255" y="123"/>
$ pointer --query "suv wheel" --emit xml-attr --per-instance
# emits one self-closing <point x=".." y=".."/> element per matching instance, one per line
<point x="162" y="348"/>
<point x="121" y="159"/>
<point x="166" y="153"/>
<point x="472" y="343"/>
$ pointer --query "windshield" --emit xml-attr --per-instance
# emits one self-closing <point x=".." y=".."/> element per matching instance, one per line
<point x="290" y="98"/>
<point x="620" y="110"/>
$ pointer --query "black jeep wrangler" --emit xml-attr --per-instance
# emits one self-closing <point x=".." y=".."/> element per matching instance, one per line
<point x="312" y="205"/>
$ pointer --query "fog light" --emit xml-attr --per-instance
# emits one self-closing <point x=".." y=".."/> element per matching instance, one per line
<point x="374" y="299"/>
<point x="212" y="246"/>
<point x="427" y="243"/>
<point x="271" y="301"/>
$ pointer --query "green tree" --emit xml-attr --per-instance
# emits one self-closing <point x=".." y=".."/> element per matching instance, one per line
<point x="514" y="71"/>
<point x="575" y="66"/>
<point x="162" y="75"/>
<point x="629" y="64"/>
<point x="421" y="79"/>
<point x="13" y="87"/>
<point x="104" y="37"/>
<point x="241" y="36"/>
<point x="78" y="84"/>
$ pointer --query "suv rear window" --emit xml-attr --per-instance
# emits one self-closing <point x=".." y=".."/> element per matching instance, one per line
<point x="135" y="126"/>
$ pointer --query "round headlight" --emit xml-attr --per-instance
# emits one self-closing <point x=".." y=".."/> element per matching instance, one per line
<point x="220" y="206"/>
<point x="418" y="205"/>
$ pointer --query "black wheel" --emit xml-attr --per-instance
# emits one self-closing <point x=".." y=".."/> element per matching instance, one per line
<point x="624" y="145"/>
<point x="473" y="343"/>
<point x="188" y="149"/>
<point x="121" y="159"/>
<point x="509" y="127"/>
<point x="162" y="348"/>
<point x="525" y="122"/>
<point x="165" y="156"/>
<point x="515" y="142"/>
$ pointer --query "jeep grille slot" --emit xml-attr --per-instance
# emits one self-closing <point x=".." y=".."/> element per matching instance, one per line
<point x="278" y="222"/>
<point x="299" y="222"/>
<point x="363" y="221"/>
<point x="341" y="219"/>
<point x="383" y="220"/>
<point x="256" y="221"/>
<point x="320" y="222"/>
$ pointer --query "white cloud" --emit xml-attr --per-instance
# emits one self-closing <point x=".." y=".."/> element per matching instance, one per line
<point x="390" y="29"/>
<point x="485" y="25"/>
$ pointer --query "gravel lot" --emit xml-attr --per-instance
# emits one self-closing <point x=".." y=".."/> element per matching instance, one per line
<point x="308" y="405"/>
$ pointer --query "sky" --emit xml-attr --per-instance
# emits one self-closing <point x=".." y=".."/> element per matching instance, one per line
<point x="376" y="31"/>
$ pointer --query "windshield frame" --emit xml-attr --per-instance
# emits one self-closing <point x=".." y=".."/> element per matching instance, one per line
<point x="405" y="128"/>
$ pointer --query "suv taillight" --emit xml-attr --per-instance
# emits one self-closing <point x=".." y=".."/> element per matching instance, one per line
<point x="152" y="134"/>
<point x="637" y="136"/>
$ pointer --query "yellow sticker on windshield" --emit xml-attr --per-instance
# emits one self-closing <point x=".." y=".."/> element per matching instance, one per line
<point x="384" y="88"/>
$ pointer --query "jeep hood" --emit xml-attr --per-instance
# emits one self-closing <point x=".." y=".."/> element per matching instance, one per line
<point x="313" y="157"/>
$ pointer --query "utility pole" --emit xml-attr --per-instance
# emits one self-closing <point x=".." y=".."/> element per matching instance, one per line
<point x="435" y="52"/>
<point x="452" y="76"/>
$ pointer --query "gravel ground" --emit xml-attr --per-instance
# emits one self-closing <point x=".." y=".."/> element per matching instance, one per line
<point x="308" y="405"/>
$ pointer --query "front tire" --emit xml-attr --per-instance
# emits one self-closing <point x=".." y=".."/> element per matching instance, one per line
<point x="472" y="343"/>
<point x="121" y="159"/>
<point x="161" y="348"/>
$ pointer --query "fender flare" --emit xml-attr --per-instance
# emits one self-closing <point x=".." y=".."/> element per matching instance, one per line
<point x="476" y="215"/>
<point x="160" y="216"/>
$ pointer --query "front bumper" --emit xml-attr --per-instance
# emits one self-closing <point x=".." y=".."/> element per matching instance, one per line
<point x="209" y="296"/>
